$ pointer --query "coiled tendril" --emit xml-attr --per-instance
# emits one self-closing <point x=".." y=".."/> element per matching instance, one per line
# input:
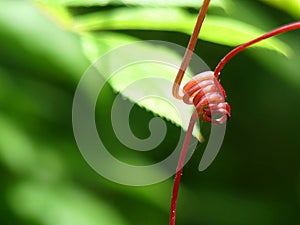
<point x="203" y="90"/>
<point x="206" y="93"/>
<point x="208" y="96"/>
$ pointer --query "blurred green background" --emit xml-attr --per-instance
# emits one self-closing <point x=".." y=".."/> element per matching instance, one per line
<point x="45" y="181"/>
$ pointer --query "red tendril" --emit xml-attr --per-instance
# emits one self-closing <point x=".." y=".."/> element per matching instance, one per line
<point x="175" y="91"/>
<point x="206" y="93"/>
<point x="279" y="30"/>
<point x="208" y="96"/>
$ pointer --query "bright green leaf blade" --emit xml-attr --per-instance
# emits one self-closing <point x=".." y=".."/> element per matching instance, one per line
<point x="290" y="6"/>
<point x="85" y="3"/>
<point x="231" y="32"/>
<point x="220" y="30"/>
<point x="95" y="46"/>
<point x="164" y="3"/>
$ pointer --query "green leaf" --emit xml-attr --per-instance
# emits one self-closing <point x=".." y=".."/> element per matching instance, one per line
<point x="45" y="44"/>
<point x="221" y="30"/>
<point x="290" y="6"/>
<point x="95" y="45"/>
<point x="16" y="148"/>
<point x="164" y="3"/>
<point x="217" y="29"/>
<point x="60" y="205"/>
<point x="232" y="32"/>
<point x="23" y="155"/>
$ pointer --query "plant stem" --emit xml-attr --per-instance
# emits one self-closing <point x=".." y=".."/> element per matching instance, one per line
<point x="280" y="30"/>
<point x="180" y="167"/>
<point x="190" y="48"/>
<point x="185" y="62"/>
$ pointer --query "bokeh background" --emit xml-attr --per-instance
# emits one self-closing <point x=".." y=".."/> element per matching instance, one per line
<point x="45" y="181"/>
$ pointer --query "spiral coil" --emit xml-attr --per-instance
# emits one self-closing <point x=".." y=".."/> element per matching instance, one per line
<point x="208" y="96"/>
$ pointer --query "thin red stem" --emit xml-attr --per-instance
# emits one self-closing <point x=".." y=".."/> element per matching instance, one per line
<point x="180" y="167"/>
<point x="240" y="48"/>
<point x="175" y="91"/>
<point x="190" y="48"/>
<point x="185" y="62"/>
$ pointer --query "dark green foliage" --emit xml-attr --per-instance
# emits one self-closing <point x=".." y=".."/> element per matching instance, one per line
<point x="44" y="179"/>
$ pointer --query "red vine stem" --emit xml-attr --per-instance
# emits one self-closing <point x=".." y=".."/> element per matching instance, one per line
<point x="190" y="49"/>
<point x="177" y="82"/>
<point x="180" y="167"/>
<point x="175" y="91"/>
<point x="285" y="28"/>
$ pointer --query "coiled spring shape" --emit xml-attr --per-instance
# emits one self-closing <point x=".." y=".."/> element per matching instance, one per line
<point x="206" y="93"/>
<point x="208" y="96"/>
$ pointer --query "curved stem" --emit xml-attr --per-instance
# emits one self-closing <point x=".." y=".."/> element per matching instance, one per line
<point x="180" y="167"/>
<point x="190" y="49"/>
<point x="288" y="27"/>
<point x="185" y="62"/>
